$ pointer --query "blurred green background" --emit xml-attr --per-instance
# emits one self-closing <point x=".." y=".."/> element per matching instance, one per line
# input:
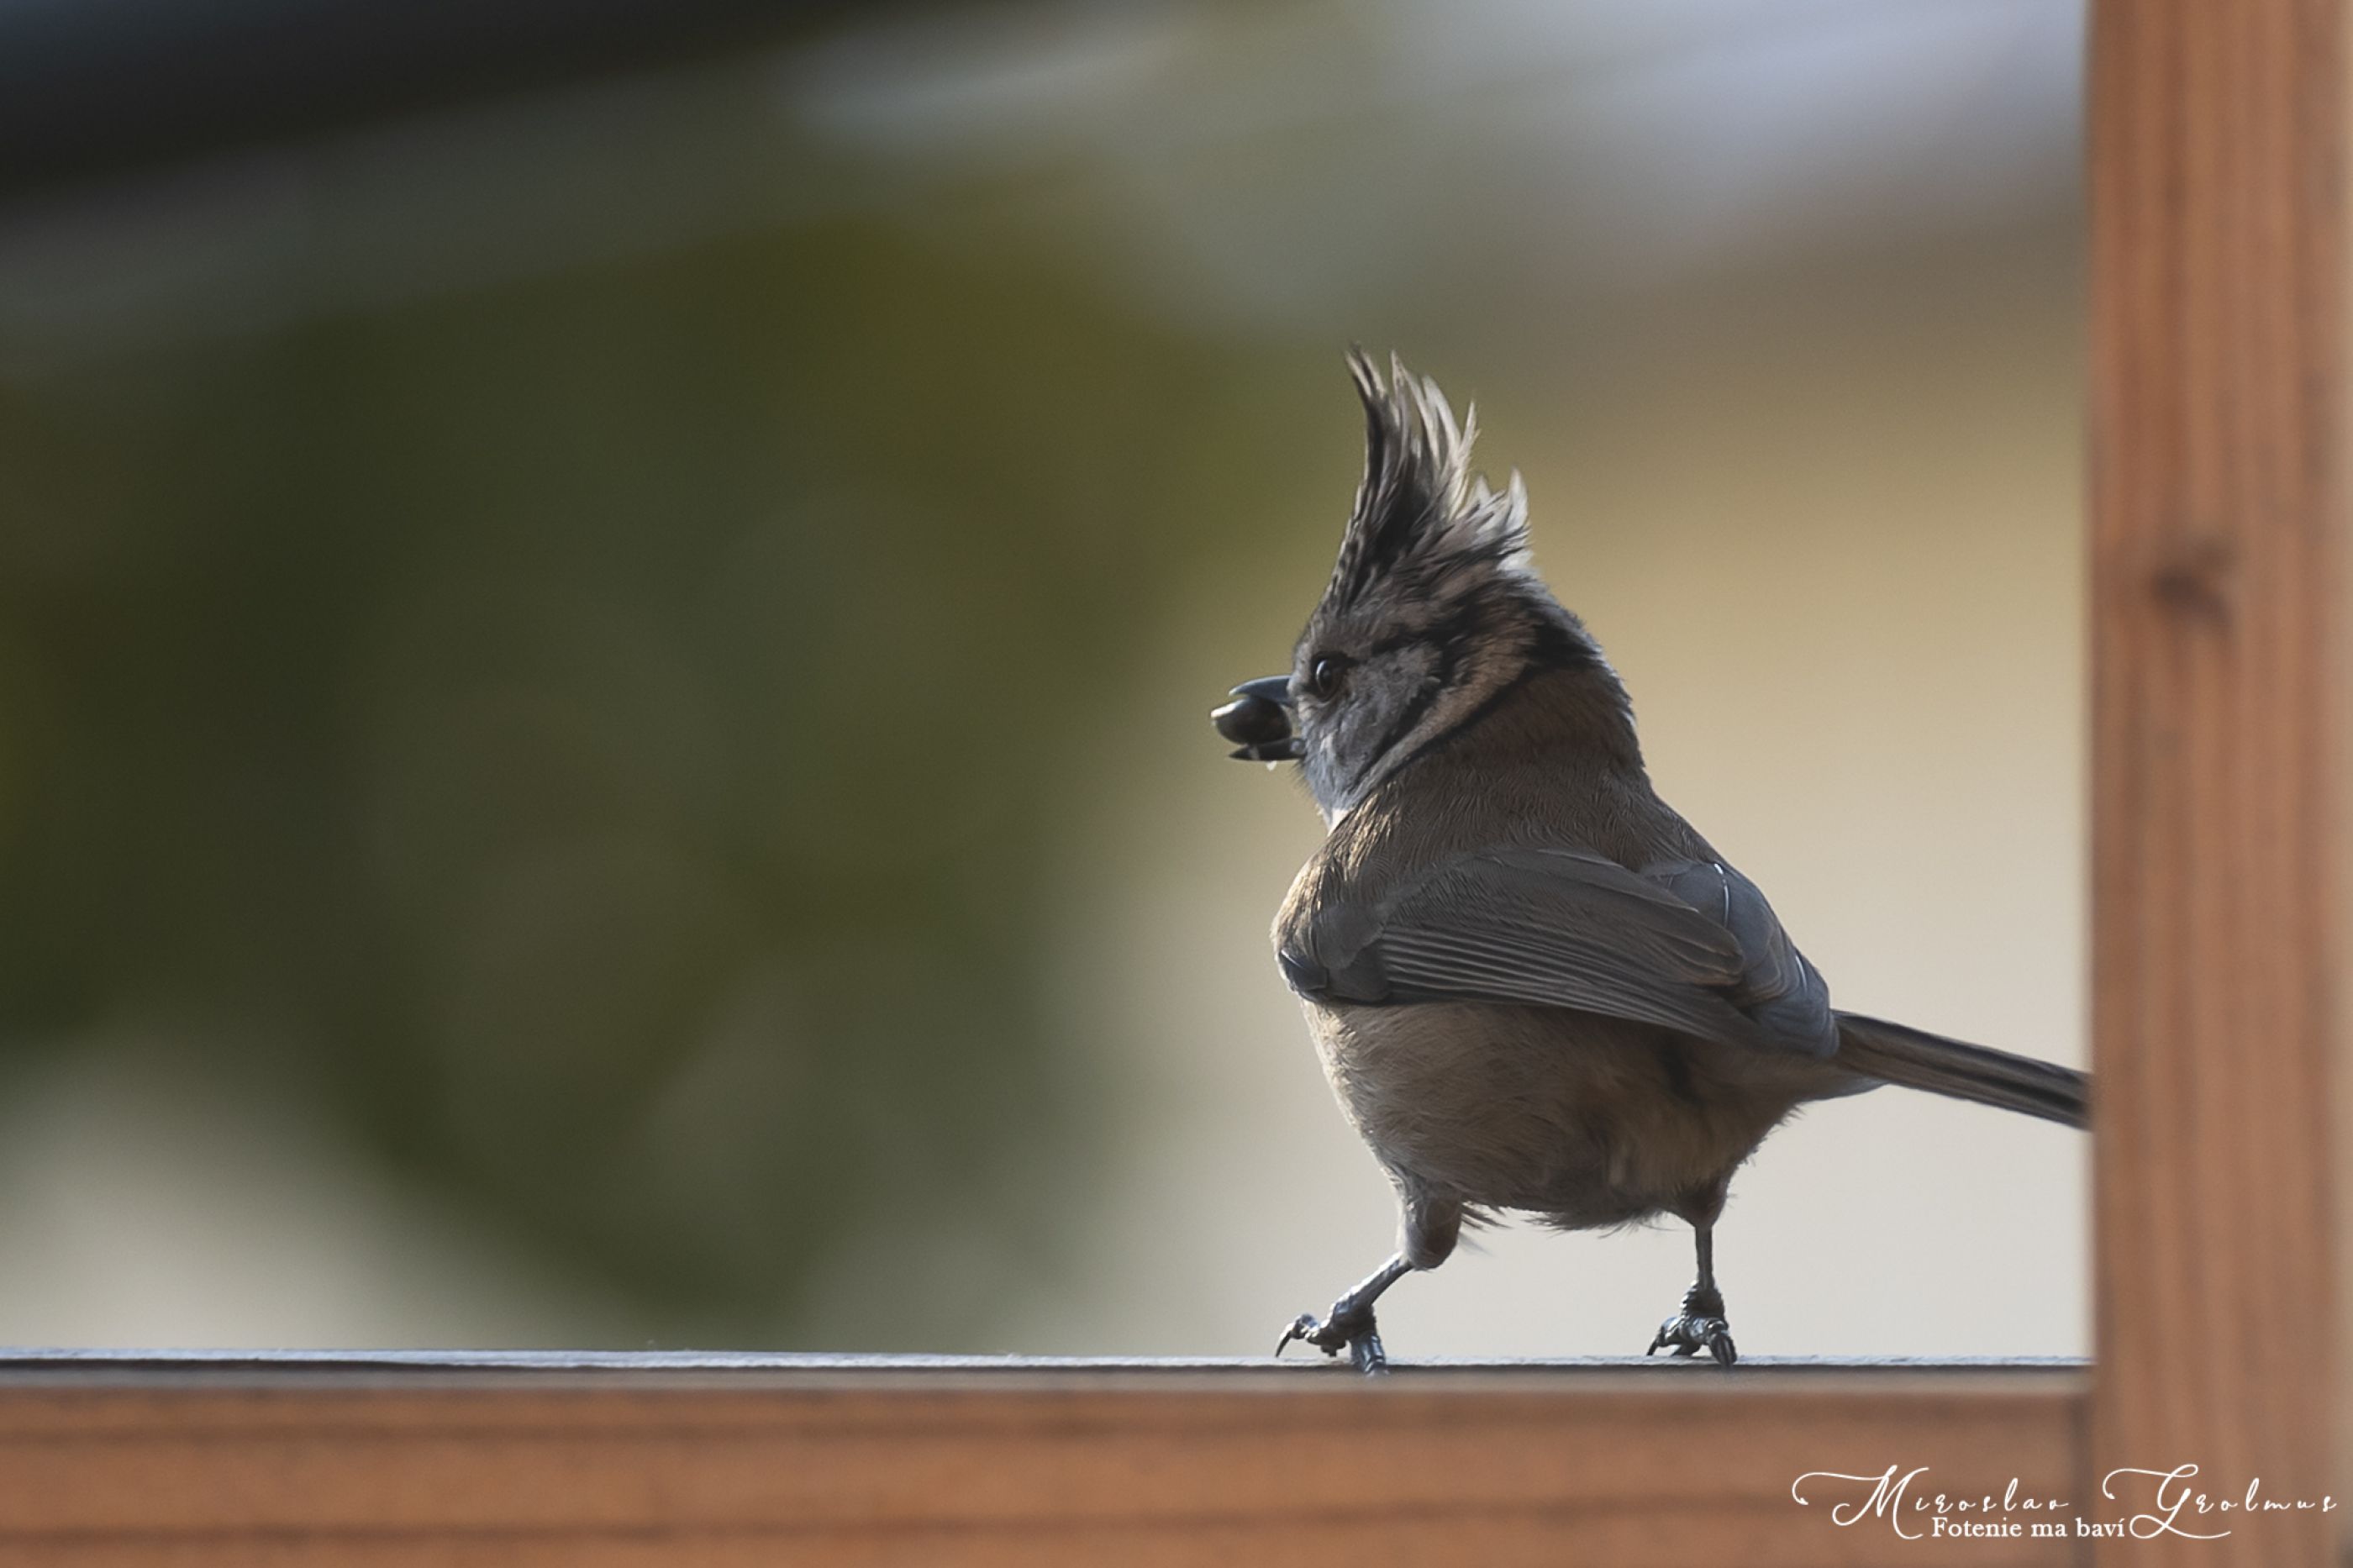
<point x="602" y="683"/>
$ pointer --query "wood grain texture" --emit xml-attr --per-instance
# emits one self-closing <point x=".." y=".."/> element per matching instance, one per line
<point x="1671" y="1468"/>
<point x="2218" y="486"/>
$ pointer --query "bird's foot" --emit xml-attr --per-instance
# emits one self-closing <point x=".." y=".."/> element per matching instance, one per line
<point x="1700" y="1326"/>
<point x="1350" y="1328"/>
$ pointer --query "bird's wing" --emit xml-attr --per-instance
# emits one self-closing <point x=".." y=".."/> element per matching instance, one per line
<point x="1691" y="945"/>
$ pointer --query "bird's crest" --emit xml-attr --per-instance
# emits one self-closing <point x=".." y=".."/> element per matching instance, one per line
<point x="1423" y="521"/>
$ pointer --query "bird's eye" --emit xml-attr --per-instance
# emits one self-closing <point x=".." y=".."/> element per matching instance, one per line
<point x="1325" y="675"/>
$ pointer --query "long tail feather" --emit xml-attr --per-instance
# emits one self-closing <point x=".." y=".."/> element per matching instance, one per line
<point x="1917" y="1059"/>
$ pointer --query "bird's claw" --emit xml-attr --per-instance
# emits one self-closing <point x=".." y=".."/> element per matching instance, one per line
<point x="1689" y="1336"/>
<point x="1700" y="1326"/>
<point x="1353" y="1332"/>
<point x="1307" y="1329"/>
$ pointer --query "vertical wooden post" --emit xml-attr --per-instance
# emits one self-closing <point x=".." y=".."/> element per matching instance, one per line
<point x="2218" y="439"/>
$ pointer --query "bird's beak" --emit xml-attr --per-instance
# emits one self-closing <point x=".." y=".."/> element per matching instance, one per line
<point x="1259" y="717"/>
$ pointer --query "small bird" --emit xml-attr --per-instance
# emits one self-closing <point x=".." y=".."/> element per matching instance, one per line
<point x="1534" y="986"/>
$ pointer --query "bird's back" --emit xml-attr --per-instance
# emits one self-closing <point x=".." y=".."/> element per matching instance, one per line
<point x="1585" y="1118"/>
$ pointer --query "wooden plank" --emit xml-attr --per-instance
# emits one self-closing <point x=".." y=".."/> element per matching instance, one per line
<point x="1662" y="1465"/>
<point x="2218" y="485"/>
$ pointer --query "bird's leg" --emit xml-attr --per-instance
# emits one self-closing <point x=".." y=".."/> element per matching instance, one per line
<point x="1349" y="1324"/>
<point x="1700" y="1326"/>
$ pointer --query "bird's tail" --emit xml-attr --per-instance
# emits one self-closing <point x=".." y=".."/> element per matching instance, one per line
<point x="1917" y="1059"/>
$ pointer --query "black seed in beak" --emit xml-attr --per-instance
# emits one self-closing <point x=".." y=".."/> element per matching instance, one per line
<point x="1256" y="722"/>
<point x="1251" y="721"/>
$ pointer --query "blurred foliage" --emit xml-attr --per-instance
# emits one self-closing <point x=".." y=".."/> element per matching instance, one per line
<point x="594" y="733"/>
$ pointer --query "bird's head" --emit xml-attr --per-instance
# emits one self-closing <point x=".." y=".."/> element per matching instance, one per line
<point x="1433" y="609"/>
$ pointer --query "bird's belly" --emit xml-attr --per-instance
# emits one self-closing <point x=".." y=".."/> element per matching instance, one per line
<point x="1586" y="1119"/>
